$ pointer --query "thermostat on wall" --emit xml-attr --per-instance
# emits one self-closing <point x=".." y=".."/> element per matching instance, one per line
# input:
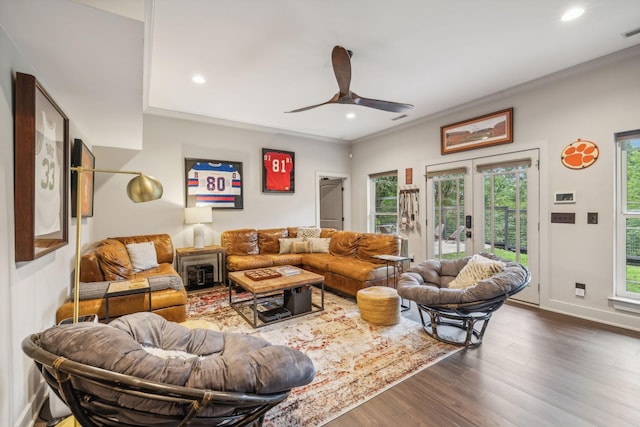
<point x="568" y="197"/>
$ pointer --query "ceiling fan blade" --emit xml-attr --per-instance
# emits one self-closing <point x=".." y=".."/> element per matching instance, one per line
<point x="333" y="100"/>
<point x="394" y="107"/>
<point x="342" y="68"/>
<point x="341" y="60"/>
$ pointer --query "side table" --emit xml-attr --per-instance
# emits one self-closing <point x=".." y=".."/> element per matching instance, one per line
<point x="126" y="287"/>
<point x="397" y="262"/>
<point x="201" y="267"/>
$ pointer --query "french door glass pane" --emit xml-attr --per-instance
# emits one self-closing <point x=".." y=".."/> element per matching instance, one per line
<point x="448" y="216"/>
<point x="505" y="213"/>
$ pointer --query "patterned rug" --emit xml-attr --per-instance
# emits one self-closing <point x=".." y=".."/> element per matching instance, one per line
<point x="354" y="360"/>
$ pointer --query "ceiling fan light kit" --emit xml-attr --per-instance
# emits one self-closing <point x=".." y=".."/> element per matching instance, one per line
<point x="341" y="60"/>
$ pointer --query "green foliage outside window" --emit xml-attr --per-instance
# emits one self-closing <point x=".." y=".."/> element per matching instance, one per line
<point x="386" y="204"/>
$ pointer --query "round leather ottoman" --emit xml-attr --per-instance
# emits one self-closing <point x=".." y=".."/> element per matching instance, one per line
<point x="379" y="305"/>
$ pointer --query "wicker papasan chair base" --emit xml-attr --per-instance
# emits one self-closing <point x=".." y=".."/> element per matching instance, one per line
<point x="459" y="316"/>
<point x="100" y="397"/>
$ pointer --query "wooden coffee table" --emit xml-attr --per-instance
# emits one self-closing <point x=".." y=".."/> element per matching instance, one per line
<point x="272" y="290"/>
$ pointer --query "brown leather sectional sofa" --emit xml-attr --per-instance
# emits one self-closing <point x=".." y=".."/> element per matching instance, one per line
<point x="108" y="261"/>
<point x="347" y="268"/>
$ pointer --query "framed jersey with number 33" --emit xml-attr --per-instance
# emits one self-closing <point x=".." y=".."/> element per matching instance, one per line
<point x="278" y="171"/>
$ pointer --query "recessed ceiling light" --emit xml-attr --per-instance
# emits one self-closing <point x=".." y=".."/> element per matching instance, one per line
<point x="572" y="14"/>
<point x="198" y="78"/>
<point x="351" y="116"/>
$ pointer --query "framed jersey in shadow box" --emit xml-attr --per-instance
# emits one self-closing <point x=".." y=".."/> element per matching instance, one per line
<point x="278" y="171"/>
<point x="213" y="183"/>
<point x="41" y="171"/>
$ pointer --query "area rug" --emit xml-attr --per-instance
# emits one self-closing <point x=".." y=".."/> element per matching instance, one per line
<point x="354" y="360"/>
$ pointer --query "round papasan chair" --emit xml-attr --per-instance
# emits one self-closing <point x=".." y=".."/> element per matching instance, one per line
<point x="141" y="370"/>
<point x="459" y="296"/>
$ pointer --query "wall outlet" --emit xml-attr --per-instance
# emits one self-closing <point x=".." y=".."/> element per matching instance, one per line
<point x="581" y="289"/>
<point x="592" y="217"/>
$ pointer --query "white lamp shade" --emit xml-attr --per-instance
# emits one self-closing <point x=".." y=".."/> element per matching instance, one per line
<point x="198" y="215"/>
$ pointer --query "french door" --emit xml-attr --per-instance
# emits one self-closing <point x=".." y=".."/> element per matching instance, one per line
<point x="486" y="204"/>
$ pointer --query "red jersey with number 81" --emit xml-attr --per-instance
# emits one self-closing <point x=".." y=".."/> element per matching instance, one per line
<point x="278" y="166"/>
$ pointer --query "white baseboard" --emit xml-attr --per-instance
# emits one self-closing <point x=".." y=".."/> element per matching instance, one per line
<point x="30" y="413"/>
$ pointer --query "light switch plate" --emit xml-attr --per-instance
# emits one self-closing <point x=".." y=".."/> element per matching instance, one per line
<point x="563" y="217"/>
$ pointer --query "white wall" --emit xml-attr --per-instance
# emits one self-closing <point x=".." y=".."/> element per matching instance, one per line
<point x="591" y="102"/>
<point x="30" y="292"/>
<point x="168" y="141"/>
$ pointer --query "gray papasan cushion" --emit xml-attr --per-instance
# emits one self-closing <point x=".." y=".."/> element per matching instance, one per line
<point x="428" y="282"/>
<point x="225" y="361"/>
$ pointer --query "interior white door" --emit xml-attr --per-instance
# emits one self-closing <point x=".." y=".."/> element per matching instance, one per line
<point x="487" y="204"/>
<point x="331" y="204"/>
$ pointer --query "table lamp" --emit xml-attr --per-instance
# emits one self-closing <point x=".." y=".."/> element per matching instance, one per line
<point x="198" y="216"/>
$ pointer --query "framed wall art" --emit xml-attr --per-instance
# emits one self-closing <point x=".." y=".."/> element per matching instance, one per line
<point x="278" y="171"/>
<point x="490" y="129"/>
<point x="213" y="183"/>
<point x="82" y="156"/>
<point x="41" y="171"/>
<point x="408" y="176"/>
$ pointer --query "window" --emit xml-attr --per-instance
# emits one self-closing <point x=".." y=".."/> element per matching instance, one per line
<point x="628" y="215"/>
<point x="384" y="196"/>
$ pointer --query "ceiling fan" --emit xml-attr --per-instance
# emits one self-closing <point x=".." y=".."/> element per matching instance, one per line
<point x="341" y="59"/>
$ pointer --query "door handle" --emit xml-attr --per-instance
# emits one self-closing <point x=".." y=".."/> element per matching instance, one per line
<point x="467" y="221"/>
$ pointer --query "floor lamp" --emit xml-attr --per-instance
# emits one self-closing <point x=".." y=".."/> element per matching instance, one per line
<point x="142" y="188"/>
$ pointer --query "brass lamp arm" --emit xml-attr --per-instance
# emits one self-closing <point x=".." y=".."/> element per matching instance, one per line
<point x="83" y="169"/>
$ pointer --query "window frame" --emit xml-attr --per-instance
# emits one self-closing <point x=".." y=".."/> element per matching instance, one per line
<point x="373" y="213"/>
<point x="622" y="215"/>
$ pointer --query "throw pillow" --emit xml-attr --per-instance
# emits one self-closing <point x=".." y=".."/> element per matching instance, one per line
<point x="300" y="248"/>
<point x="319" y="245"/>
<point x="143" y="255"/>
<point x="478" y="268"/>
<point x="308" y="232"/>
<point x="285" y="244"/>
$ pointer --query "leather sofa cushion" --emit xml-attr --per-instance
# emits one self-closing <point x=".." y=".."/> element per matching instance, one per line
<point x="240" y="262"/>
<point x="375" y="244"/>
<point x="240" y="242"/>
<point x="162" y="243"/>
<point x="268" y="242"/>
<point x="344" y="243"/>
<point x="170" y="301"/>
<point x="161" y="270"/>
<point x="90" y="268"/>
<point x="327" y="232"/>
<point x="114" y="260"/>
<point x="318" y="261"/>
<point x="285" y="259"/>
<point x="356" y="269"/>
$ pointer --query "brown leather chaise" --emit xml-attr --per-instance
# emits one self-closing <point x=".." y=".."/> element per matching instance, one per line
<point x="141" y="370"/>
<point x="460" y="315"/>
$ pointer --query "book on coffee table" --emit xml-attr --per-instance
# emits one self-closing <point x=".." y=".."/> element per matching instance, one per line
<point x="288" y="270"/>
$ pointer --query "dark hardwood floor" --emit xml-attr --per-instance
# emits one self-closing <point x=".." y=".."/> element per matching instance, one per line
<point x="534" y="368"/>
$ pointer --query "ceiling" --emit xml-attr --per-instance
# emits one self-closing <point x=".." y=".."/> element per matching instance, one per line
<point x="262" y="58"/>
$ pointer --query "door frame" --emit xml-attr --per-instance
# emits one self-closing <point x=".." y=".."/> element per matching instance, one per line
<point x="543" y="194"/>
<point x="346" y="195"/>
